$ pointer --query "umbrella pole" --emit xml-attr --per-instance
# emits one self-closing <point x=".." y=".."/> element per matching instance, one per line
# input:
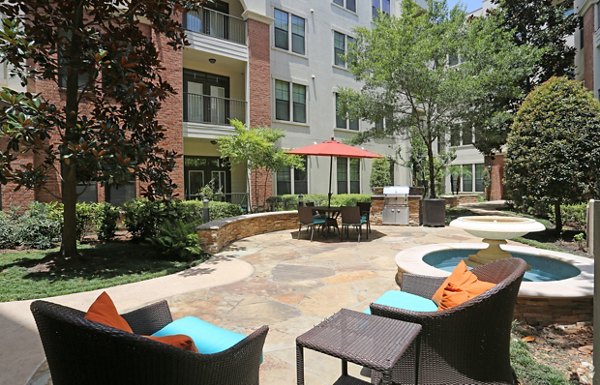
<point x="330" y="175"/>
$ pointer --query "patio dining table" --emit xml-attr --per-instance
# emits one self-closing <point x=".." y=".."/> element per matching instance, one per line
<point x="332" y="214"/>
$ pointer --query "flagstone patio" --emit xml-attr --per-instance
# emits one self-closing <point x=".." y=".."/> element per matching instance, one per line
<point x="294" y="285"/>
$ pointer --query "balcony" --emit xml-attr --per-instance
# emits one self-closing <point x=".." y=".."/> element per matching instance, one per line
<point x="209" y="116"/>
<point x="217" y="32"/>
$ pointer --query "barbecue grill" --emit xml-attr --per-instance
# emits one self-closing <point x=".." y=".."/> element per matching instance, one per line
<point x="395" y="205"/>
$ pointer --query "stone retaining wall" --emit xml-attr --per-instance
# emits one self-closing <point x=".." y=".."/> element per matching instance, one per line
<point x="215" y="235"/>
<point x="546" y="311"/>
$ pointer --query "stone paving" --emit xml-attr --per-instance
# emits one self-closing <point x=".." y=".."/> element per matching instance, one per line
<point x="298" y="283"/>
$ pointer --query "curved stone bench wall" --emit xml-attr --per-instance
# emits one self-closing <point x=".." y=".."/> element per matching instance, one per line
<point x="215" y="235"/>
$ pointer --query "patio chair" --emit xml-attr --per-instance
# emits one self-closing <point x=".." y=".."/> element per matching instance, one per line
<point x="365" y="212"/>
<point x="351" y="218"/>
<point x="466" y="344"/>
<point x="306" y="218"/>
<point x="84" y="352"/>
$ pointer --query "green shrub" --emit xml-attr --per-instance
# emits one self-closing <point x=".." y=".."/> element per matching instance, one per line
<point x="380" y="173"/>
<point x="107" y="222"/>
<point x="220" y="210"/>
<point x="177" y="240"/>
<point x="142" y="217"/>
<point x="7" y="232"/>
<point x="87" y="215"/>
<point x="290" y="202"/>
<point x="39" y="227"/>
<point x="573" y="216"/>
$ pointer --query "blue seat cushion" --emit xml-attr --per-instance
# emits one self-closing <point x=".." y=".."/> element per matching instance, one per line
<point x="207" y="337"/>
<point x="406" y="301"/>
<point x="319" y="221"/>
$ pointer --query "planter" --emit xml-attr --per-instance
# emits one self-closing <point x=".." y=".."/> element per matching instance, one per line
<point x="434" y="212"/>
<point x="377" y="190"/>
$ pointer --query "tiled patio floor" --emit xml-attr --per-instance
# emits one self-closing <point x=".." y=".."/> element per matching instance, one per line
<point x="298" y="283"/>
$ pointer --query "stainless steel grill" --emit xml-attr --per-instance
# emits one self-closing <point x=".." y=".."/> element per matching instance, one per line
<point x="395" y="205"/>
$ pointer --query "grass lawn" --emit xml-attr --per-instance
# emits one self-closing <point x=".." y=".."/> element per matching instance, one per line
<point x="32" y="274"/>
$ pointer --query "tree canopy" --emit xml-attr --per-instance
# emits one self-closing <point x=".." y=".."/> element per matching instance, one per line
<point x="257" y="148"/>
<point x="539" y="24"/>
<point x="103" y="58"/>
<point x="553" y="150"/>
<point x="431" y="71"/>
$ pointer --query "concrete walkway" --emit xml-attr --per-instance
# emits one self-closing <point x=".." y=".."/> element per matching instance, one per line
<point x="273" y="279"/>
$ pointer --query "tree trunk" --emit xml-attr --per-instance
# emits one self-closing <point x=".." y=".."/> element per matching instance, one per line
<point x="68" y="248"/>
<point x="430" y="161"/>
<point x="557" y="217"/>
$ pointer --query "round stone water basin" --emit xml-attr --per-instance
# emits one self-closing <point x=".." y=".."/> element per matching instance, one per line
<point x="542" y="269"/>
<point x="558" y="288"/>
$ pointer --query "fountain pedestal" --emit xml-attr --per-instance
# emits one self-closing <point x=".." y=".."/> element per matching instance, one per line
<point x="494" y="230"/>
<point x="492" y="253"/>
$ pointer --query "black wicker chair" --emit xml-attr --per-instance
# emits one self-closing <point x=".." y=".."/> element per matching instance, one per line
<point x="83" y="352"/>
<point x="467" y="344"/>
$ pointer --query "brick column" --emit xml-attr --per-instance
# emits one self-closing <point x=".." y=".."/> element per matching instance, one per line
<point x="496" y="176"/>
<point x="259" y="98"/>
<point x="22" y="197"/>
<point x="588" y="49"/>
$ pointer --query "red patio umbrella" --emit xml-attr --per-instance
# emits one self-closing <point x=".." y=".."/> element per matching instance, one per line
<point x="333" y="148"/>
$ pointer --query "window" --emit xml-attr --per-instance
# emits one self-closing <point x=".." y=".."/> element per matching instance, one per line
<point x="200" y="171"/>
<point x="581" y="34"/>
<point x="472" y="178"/>
<point x="453" y="59"/>
<point x="83" y="78"/>
<point x="283" y="111"/>
<point x="296" y="185"/>
<point x="284" y="22"/>
<point x="461" y="136"/>
<point x="342" y="121"/>
<point x="479" y="173"/>
<point x="117" y="195"/>
<point x="381" y="5"/>
<point x="467" y="178"/>
<point x="348" y="4"/>
<point x="87" y="192"/>
<point x="341" y="44"/>
<point x="348" y="176"/>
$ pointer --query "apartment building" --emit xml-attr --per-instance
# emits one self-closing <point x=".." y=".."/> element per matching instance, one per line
<point x="273" y="63"/>
<point x="587" y="43"/>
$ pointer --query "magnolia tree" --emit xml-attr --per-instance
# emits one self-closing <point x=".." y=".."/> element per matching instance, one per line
<point x="414" y="86"/>
<point x="553" y="149"/>
<point x="102" y="56"/>
<point x="257" y="148"/>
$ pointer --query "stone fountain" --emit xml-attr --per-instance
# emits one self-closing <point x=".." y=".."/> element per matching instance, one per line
<point x="495" y="230"/>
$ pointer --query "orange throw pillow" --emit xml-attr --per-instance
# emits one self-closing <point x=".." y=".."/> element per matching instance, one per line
<point x="103" y="311"/>
<point x="459" y="287"/>
<point x="178" y="340"/>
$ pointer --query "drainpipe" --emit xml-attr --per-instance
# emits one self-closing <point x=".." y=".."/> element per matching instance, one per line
<point x="593" y="235"/>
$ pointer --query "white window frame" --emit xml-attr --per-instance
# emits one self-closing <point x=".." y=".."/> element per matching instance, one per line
<point x="345" y="5"/>
<point x="346" y="44"/>
<point x="349" y="180"/>
<point x="380" y="8"/>
<point x="290" y="102"/>
<point x="347" y="120"/>
<point x="290" y="33"/>
<point x="293" y="180"/>
<point x="472" y="167"/>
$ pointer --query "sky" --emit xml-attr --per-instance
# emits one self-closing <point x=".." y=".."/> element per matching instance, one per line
<point x="470" y="4"/>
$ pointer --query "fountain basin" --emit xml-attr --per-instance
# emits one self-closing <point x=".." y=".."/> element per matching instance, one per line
<point x="562" y="295"/>
<point x="497" y="227"/>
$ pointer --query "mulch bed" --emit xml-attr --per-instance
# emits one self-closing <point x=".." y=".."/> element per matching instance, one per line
<point x="568" y="348"/>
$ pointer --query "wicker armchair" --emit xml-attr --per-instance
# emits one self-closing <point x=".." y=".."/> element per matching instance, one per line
<point x="467" y="344"/>
<point x="84" y="352"/>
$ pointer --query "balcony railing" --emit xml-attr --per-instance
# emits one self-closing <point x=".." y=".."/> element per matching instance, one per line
<point x="216" y="24"/>
<point x="213" y="110"/>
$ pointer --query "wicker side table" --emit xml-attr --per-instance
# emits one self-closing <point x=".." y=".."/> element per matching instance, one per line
<point x="371" y="341"/>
